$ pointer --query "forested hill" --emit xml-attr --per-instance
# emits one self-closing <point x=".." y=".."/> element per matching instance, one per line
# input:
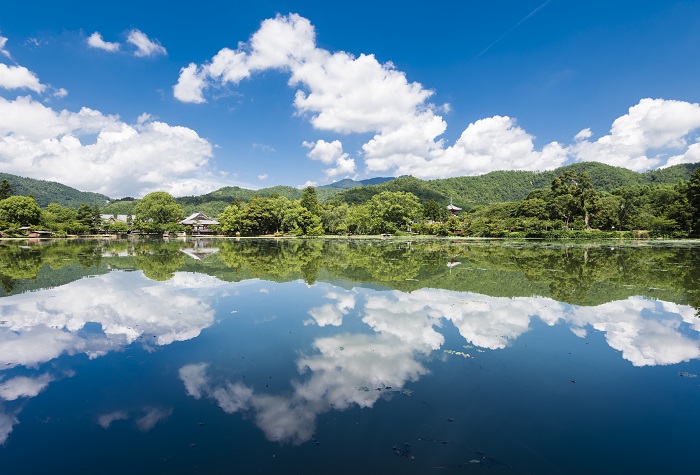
<point x="465" y="192"/>
<point x="213" y="203"/>
<point x="46" y="192"/>
<point x="348" y="183"/>
<point x="499" y="186"/>
<point x="235" y="193"/>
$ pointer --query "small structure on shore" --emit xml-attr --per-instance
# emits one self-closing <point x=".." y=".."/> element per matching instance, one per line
<point x="452" y="208"/>
<point x="40" y="234"/>
<point x="124" y="218"/>
<point x="199" y="222"/>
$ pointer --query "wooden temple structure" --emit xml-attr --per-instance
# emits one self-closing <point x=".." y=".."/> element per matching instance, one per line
<point x="452" y="208"/>
<point x="199" y="222"/>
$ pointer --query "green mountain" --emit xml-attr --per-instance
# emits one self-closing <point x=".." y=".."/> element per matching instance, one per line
<point x="465" y="192"/>
<point x="215" y="202"/>
<point x="498" y="186"/>
<point x="348" y="183"/>
<point x="47" y="192"/>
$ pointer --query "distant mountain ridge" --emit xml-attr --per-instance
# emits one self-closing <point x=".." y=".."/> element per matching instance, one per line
<point x="513" y="185"/>
<point x="348" y="183"/>
<point x="47" y="192"/>
<point x="465" y="192"/>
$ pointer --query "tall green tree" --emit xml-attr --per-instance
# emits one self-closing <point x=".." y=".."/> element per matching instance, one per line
<point x="300" y="221"/>
<point x="334" y="217"/>
<point x="6" y="189"/>
<point x="580" y="188"/>
<point x="433" y="211"/>
<point x="693" y="194"/>
<point x="17" y="211"/>
<point x="309" y="200"/>
<point x="157" y="209"/>
<point x="263" y="215"/>
<point x="606" y="212"/>
<point x="361" y="221"/>
<point x="89" y="217"/>
<point x="59" y="218"/>
<point x="396" y="210"/>
<point x="230" y="219"/>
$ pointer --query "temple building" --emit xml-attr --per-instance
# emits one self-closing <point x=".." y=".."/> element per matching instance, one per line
<point x="453" y="209"/>
<point x="199" y="222"/>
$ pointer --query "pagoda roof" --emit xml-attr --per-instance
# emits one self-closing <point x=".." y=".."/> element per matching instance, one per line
<point x="198" y="218"/>
<point x="452" y="207"/>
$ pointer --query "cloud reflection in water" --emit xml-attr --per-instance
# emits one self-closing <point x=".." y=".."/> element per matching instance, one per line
<point x="46" y="324"/>
<point x="407" y="329"/>
<point x="95" y="316"/>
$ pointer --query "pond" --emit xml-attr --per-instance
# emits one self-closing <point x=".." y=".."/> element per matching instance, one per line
<point x="348" y="356"/>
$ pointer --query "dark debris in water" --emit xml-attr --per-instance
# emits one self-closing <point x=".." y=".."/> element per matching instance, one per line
<point x="403" y="451"/>
<point x="472" y="457"/>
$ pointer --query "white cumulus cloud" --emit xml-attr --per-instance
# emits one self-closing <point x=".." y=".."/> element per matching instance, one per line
<point x="19" y="77"/>
<point x="331" y="153"/>
<point x="344" y="93"/>
<point x="307" y="183"/>
<point x="95" y="41"/>
<point x="151" y="417"/>
<point x="3" y="50"/>
<point x="691" y="155"/>
<point x="332" y="313"/>
<point x="145" y="47"/>
<point x="189" y="86"/>
<point x="46" y="324"/>
<point x="96" y="152"/>
<point x="106" y="420"/>
<point x="643" y="138"/>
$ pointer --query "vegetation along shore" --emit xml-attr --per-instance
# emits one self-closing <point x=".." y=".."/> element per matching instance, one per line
<point x="587" y="200"/>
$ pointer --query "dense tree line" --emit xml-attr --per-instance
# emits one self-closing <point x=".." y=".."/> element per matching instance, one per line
<point x="570" y="205"/>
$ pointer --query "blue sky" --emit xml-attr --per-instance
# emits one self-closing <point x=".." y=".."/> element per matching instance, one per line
<point x="141" y="96"/>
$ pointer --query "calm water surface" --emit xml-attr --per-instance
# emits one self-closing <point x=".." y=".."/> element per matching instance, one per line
<point x="318" y="357"/>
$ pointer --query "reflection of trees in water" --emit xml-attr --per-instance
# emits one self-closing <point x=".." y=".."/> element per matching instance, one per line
<point x="158" y="261"/>
<point x="691" y="279"/>
<point x="275" y="260"/>
<point x="375" y="262"/>
<point x="8" y="284"/>
<point x="379" y="262"/>
<point x="591" y="274"/>
<point x="19" y="261"/>
<point x="584" y="274"/>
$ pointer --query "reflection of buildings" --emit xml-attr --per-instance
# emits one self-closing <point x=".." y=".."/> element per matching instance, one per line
<point x="200" y="251"/>
<point x="452" y="264"/>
